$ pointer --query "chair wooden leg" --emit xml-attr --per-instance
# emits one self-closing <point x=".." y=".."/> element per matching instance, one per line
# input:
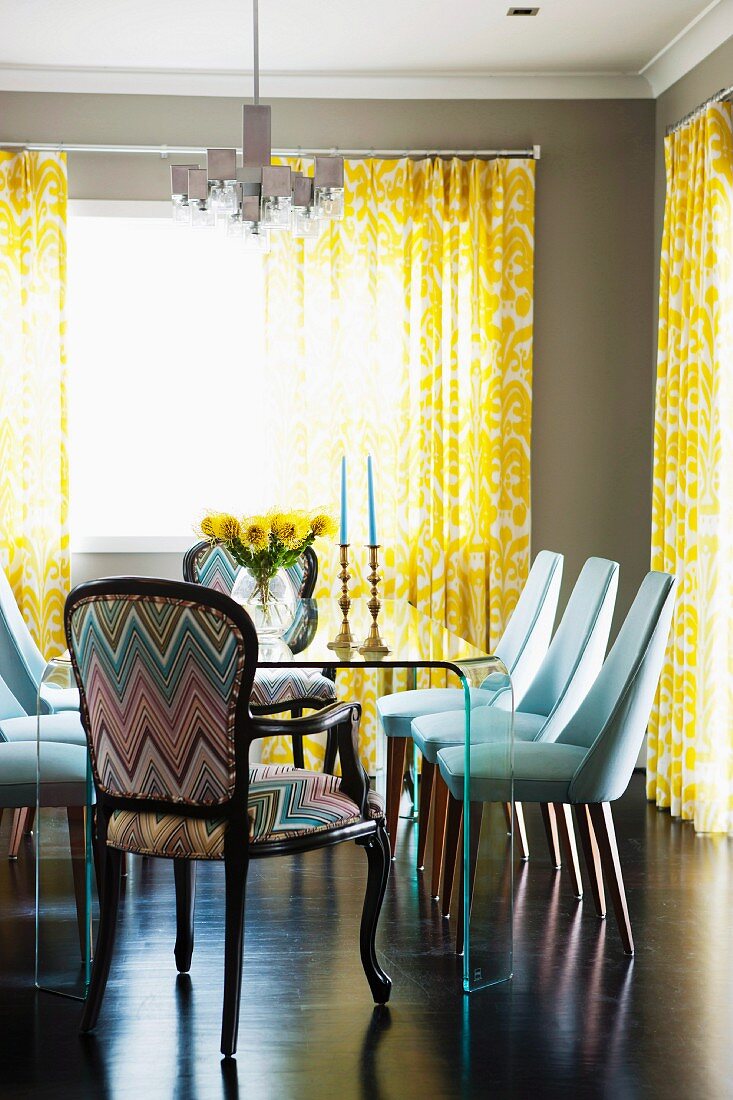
<point x="521" y="832"/>
<point x="377" y="850"/>
<point x="564" y="818"/>
<point x="602" y="821"/>
<point x="440" y="813"/>
<point x="477" y="811"/>
<point x="396" y="757"/>
<point x="450" y="854"/>
<point x="235" y="871"/>
<point x="332" y="745"/>
<point x="427" y="781"/>
<point x="592" y="858"/>
<point x="75" y="816"/>
<point x="110" y="860"/>
<point x="17" y="828"/>
<point x="553" y="840"/>
<point x="298" y="756"/>
<point x="184" y="871"/>
<point x="30" y="819"/>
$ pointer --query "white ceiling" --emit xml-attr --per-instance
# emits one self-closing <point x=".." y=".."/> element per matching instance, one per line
<point x="380" y="47"/>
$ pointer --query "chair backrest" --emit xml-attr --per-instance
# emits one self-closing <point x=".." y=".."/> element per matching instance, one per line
<point x="577" y="650"/>
<point x="21" y="661"/>
<point x="164" y="671"/>
<point x="527" y="635"/>
<point x="211" y="564"/>
<point x="9" y="705"/>
<point x="612" y="720"/>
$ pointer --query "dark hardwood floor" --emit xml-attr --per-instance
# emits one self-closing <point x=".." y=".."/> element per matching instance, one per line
<point x="579" y="1019"/>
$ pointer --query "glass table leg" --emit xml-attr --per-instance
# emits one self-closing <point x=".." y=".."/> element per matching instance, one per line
<point x="64" y="909"/>
<point x="487" y="888"/>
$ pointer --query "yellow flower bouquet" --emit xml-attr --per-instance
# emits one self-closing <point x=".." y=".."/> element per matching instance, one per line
<point x="264" y="545"/>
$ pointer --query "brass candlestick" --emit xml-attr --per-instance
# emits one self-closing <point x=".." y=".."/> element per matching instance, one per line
<point x="344" y="639"/>
<point x="374" y="644"/>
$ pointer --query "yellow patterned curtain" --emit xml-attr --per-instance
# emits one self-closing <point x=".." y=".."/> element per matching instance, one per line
<point x="405" y="331"/>
<point x="34" y="540"/>
<point x="690" y="762"/>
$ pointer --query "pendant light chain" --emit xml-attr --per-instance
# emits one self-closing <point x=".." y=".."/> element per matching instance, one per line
<point x="256" y="41"/>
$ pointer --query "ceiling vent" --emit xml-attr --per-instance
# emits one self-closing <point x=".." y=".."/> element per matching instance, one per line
<point x="523" y="11"/>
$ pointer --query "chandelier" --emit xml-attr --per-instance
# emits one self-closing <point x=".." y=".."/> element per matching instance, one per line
<point x="258" y="196"/>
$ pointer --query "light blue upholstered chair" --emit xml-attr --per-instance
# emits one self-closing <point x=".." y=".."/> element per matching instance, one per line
<point x="22" y="663"/>
<point x="15" y="727"/>
<point x="590" y="763"/>
<point x="522" y="648"/>
<point x="563" y="680"/>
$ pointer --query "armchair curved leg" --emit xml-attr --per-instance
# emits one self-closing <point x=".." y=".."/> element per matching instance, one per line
<point x="236" y="863"/>
<point x="184" y="871"/>
<point x="378" y="855"/>
<point x="111" y="863"/>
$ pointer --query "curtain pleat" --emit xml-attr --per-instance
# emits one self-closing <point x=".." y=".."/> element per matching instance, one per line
<point x="34" y="489"/>
<point x="405" y="332"/>
<point x="690" y="744"/>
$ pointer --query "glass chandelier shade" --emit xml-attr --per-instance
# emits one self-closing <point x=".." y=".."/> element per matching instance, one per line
<point x="255" y="198"/>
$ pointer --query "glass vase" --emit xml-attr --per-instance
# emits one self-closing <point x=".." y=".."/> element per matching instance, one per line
<point x="270" y="602"/>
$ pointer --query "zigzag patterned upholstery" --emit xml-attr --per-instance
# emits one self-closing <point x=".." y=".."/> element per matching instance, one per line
<point x="215" y="567"/>
<point x="161" y="679"/>
<point x="272" y="686"/>
<point x="283" y="803"/>
<point x="212" y="565"/>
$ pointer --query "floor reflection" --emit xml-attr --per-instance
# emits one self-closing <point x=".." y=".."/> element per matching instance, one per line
<point x="578" y="1019"/>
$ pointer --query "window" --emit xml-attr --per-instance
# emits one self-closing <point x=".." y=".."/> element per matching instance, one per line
<point x="166" y="374"/>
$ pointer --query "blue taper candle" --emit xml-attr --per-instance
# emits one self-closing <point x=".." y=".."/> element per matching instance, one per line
<point x="372" y="514"/>
<point x="344" y="532"/>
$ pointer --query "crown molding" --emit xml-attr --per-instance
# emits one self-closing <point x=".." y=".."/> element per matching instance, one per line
<point x="704" y="34"/>
<point x="276" y="85"/>
<point x="712" y="27"/>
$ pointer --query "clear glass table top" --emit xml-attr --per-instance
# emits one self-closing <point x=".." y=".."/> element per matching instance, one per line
<point x="414" y="640"/>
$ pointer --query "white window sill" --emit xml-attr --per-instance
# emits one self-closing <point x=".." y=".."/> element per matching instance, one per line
<point x="132" y="544"/>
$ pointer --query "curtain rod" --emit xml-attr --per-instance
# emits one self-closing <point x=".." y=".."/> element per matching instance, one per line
<point x="164" y="151"/>
<point x="724" y="93"/>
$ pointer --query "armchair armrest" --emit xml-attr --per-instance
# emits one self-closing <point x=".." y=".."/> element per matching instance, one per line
<point x="345" y="718"/>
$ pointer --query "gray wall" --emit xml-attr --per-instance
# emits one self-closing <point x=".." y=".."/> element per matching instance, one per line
<point x="87" y="567"/>
<point x="594" y="270"/>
